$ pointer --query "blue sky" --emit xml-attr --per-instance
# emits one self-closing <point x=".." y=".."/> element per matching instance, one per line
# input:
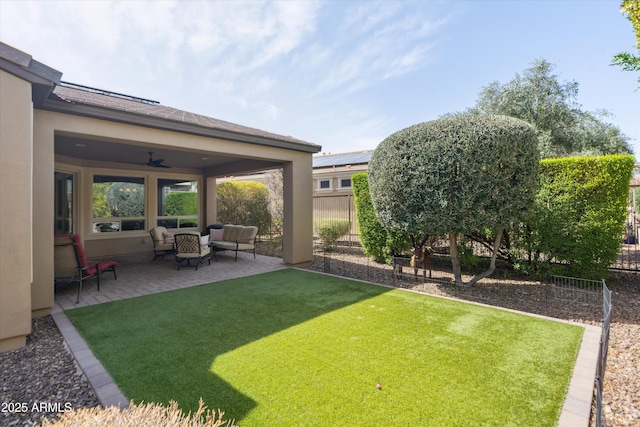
<point x="341" y="74"/>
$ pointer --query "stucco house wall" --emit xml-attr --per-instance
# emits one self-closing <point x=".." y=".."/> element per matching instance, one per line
<point x="16" y="136"/>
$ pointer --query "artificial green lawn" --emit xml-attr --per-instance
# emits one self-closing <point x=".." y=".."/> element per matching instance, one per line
<point x="296" y="348"/>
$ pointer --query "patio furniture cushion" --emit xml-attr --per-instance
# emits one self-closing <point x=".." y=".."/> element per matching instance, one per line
<point x="71" y="264"/>
<point x="161" y="247"/>
<point x="91" y="268"/>
<point x="216" y="234"/>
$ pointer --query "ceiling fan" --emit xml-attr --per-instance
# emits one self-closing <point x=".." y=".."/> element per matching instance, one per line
<point x="155" y="163"/>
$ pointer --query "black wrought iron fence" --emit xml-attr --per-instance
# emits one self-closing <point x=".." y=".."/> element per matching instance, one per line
<point x="629" y="255"/>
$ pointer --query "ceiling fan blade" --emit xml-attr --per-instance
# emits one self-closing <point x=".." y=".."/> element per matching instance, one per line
<point x="155" y="163"/>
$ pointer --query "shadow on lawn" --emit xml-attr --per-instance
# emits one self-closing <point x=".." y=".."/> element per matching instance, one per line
<point x="162" y="346"/>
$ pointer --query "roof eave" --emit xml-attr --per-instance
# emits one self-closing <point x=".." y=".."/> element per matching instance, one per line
<point x="42" y="78"/>
<point x="172" y="125"/>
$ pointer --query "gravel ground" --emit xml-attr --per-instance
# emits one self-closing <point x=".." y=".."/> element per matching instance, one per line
<point x="42" y="379"/>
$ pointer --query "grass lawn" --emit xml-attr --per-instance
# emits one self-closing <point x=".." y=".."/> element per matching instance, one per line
<point x="297" y="348"/>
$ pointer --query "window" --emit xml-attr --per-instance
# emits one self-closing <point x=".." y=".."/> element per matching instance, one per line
<point x="118" y="204"/>
<point x="324" y="184"/>
<point x="177" y="203"/>
<point x="64" y="202"/>
<point x="345" y="182"/>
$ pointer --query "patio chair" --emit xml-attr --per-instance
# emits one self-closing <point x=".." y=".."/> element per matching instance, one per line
<point x="71" y="265"/>
<point x="162" y="242"/>
<point x="189" y="246"/>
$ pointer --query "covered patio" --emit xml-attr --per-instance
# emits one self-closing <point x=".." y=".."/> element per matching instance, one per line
<point x="67" y="149"/>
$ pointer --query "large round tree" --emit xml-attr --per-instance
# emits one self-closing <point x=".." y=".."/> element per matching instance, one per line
<point x="456" y="175"/>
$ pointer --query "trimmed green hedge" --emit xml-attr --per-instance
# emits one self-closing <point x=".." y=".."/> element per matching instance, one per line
<point x="579" y="215"/>
<point x="376" y="241"/>
<point x="181" y="203"/>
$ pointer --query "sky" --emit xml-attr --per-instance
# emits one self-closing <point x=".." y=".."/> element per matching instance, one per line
<point x="340" y="74"/>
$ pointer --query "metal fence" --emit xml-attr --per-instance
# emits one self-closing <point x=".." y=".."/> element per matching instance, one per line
<point x="572" y="292"/>
<point x="340" y="207"/>
<point x="602" y="353"/>
<point x="629" y="255"/>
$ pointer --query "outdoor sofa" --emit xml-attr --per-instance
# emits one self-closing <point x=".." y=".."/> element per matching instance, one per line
<point x="234" y="238"/>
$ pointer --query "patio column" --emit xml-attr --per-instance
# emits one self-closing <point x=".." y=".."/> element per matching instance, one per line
<point x="211" y="202"/>
<point x="298" y="211"/>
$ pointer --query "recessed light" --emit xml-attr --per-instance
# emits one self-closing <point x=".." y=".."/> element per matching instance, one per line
<point x="205" y="158"/>
<point x="81" y="145"/>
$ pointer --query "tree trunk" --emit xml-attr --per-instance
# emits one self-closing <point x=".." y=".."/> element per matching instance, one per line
<point x="492" y="266"/>
<point x="455" y="261"/>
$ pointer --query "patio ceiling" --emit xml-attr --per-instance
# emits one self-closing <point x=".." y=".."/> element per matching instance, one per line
<point x="122" y="154"/>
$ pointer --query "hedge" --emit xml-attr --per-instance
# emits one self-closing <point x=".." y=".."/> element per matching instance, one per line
<point x="579" y="215"/>
<point x="244" y="203"/>
<point x="376" y="241"/>
<point x="181" y="203"/>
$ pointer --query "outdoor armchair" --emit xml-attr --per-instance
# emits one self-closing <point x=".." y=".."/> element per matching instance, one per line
<point x="162" y="242"/>
<point x="188" y="247"/>
<point x="71" y="265"/>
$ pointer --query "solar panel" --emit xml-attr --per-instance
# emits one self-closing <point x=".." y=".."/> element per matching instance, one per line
<point x="342" y="159"/>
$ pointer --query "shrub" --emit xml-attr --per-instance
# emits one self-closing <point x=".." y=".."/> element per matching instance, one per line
<point x="579" y="215"/>
<point x="377" y="242"/>
<point x="244" y="203"/>
<point x="140" y="415"/>
<point x="330" y="230"/>
<point x="181" y="203"/>
<point x="125" y="199"/>
<point x="456" y="175"/>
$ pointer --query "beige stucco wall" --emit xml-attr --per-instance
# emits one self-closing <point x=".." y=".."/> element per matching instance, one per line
<point x="16" y="117"/>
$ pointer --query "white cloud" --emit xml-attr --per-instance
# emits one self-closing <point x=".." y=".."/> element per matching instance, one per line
<point x="275" y="65"/>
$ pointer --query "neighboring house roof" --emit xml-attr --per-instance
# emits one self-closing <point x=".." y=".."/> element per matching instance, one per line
<point x="342" y="159"/>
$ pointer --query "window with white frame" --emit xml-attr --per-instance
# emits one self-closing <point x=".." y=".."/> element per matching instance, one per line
<point x="345" y="182"/>
<point x="324" y="184"/>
